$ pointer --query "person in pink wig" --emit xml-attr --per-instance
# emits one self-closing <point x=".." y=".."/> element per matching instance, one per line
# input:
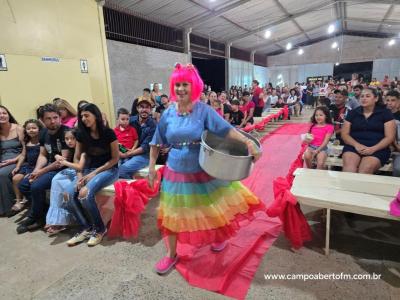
<point x="195" y="208"/>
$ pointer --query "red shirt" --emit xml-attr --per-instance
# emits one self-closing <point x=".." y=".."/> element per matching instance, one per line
<point x="249" y="105"/>
<point x="126" y="137"/>
<point x="256" y="97"/>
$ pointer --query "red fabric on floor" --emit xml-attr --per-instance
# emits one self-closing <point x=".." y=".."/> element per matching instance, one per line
<point x="285" y="206"/>
<point x="130" y="201"/>
<point x="231" y="271"/>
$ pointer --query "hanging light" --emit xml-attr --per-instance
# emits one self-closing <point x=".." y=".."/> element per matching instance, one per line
<point x="331" y="29"/>
<point x="392" y="42"/>
<point x="334" y="45"/>
<point x="300" y="52"/>
<point x="288" y="46"/>
<point x="337" y="63"/>
<point x="267" y="34"/>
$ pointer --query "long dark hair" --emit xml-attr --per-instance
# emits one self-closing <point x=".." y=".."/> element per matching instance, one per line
<point x="27" y="138"/>
<point x="325" y="111"/>
<point x="85" y="131"/>
<point x="11" y="119"/>
<point x="10" y="116"/>
<point x="377" y="94"/>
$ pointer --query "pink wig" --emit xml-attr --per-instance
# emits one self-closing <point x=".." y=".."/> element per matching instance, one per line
<point x="189" y="74"/>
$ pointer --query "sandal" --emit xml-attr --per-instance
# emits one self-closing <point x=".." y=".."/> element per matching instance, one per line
<point x="16" y="208"/>
<point x="54" y="230"/>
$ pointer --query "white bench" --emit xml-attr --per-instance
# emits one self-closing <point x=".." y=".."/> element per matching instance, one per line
<point x="332" y="161"/>
<point x="259" y="119"/>
<point x="335" y="161"/>
<point x="362" y="194"/>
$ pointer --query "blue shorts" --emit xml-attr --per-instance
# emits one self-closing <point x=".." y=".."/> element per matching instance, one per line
<point x="313" y="147"/>
<point x="383" y="155"/>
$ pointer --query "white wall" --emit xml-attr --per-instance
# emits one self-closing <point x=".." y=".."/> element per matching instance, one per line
<point x="134" y="67"/>
<point x="240" y="72"/>
<point x="288" y="75"/>
<point x="261" y="74"/>
<point x="355" y="49"/>
<point x="388" y="66"/>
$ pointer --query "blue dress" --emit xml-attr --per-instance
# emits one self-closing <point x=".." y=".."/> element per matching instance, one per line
<point x="32" y="154"/>
<point x="198" y="208"/>
<point x="176" y="130"/>
<point x="369" y="132"/>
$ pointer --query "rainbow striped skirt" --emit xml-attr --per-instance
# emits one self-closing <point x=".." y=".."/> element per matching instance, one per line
<point x="201" y="209"/>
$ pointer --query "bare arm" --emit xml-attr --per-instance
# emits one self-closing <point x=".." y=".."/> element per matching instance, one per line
<point x="21" y="158"/>
<point x="78" y="166"/>
<point x="244" y="119"/>
<point x="135" y="145"/>
<point x="325" y="142"/>
<point x="154" y="151"/>
<point x="390" y="134"/>
<point x="345" y="135"/>
<point x="250" y="115"/>
<point x="133" y="152"/>
<point x="20" y="132"/>
<point x="42" y="159"/>
<point x="54" y="165"/>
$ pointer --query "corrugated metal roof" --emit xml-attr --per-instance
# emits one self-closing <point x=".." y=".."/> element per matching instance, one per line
<point x="244" y="22"/>
<point x="370" y="11"/>
<point x="294" y="6"/>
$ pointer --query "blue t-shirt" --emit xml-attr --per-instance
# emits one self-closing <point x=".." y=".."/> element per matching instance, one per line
<point x="174" y="130"/>
<point x="369" y="131"/>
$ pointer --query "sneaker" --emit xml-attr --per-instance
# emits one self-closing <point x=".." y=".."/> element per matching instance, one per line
<point x="165" y="264"/>
<point x="95" y="238"/>
<point x="78" y="238"/>
<point x="218" y="247"/>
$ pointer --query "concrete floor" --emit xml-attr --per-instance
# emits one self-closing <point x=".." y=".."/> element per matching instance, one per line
<point x="34" y="266"/>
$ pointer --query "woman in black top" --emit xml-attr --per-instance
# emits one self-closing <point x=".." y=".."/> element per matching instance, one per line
<point x="367" y="133"/>
<point x="100" y="145"/>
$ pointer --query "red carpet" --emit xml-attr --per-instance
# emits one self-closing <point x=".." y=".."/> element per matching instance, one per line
<point x="280" y="148"/>
<point x="231" y="271"/>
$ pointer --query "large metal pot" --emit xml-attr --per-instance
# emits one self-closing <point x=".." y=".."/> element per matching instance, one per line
<point x="224" y="158"/>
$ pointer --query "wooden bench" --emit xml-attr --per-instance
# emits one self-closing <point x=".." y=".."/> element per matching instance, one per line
<point x="362" y="194"/>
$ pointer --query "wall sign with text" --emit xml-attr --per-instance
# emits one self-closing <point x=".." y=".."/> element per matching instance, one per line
<point x="84" y="66"/>
<point x="3" y="62"/>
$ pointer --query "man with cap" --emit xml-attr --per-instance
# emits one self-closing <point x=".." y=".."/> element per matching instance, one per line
<point x="145" y="127"/>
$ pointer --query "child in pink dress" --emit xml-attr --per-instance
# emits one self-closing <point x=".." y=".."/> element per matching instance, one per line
<point x="318" y="138"/>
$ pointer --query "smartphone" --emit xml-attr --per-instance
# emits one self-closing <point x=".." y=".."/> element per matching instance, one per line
<point x="122" y="148"/>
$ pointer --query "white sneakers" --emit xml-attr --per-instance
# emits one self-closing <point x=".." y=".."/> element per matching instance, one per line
<point x="94" y="238"/>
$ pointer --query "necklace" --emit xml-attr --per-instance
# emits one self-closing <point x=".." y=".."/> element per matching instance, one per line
<point x="184" y="113"/>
